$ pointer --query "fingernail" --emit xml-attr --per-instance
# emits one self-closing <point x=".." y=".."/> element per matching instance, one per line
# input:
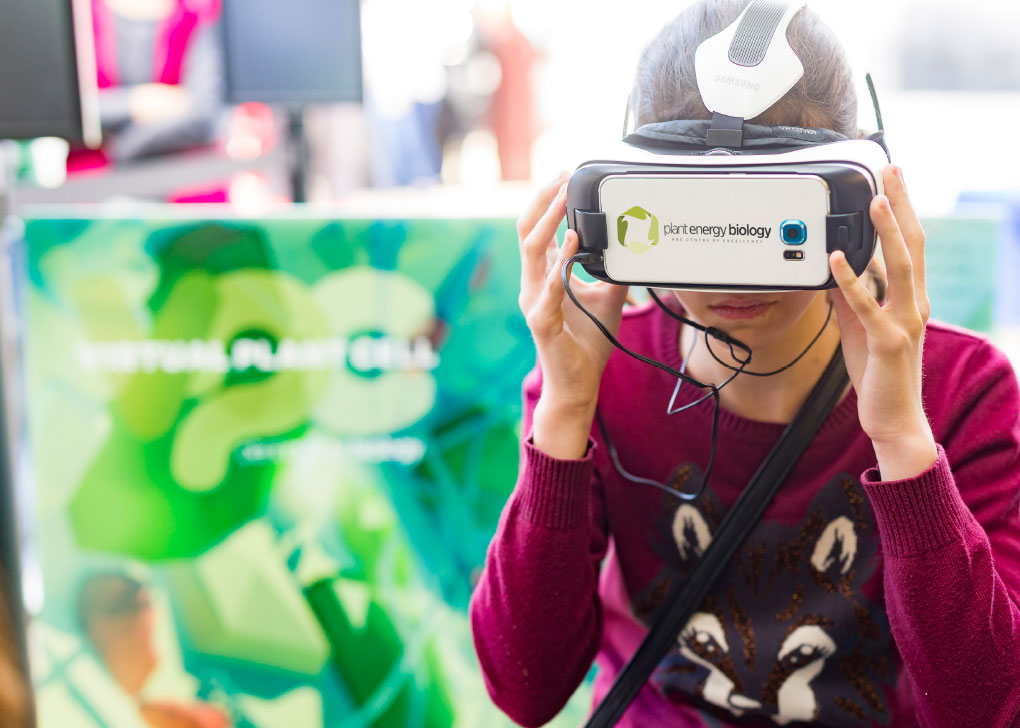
<point x="899" y="172"/>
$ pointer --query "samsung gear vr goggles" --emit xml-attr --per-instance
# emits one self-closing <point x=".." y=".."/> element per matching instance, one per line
<point x="724" y="204"/>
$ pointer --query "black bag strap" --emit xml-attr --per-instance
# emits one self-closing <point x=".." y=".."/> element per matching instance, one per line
<point x="735" y="526"/>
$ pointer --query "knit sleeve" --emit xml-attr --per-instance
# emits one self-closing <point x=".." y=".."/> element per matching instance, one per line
<point x="951" y="539"/>
<point x="535" y="614"/>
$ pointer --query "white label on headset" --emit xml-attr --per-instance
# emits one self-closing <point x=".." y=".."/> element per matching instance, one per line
<point x="717" y="229"/>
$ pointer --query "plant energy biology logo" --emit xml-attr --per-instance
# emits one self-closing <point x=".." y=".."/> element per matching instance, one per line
<point x="637" y="230"/>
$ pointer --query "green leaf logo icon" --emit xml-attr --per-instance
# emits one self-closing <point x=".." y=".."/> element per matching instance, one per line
<point x="637" y="230"/>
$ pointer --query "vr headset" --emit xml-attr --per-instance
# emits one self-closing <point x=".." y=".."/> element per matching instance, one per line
<point x="724" y="204"/>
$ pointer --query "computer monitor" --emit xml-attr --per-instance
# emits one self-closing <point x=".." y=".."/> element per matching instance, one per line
<point x="299" y="51"/>
<point x="47" y="71"/>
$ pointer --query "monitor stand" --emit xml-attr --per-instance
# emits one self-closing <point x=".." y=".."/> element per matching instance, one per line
<point x="297" y="153"/>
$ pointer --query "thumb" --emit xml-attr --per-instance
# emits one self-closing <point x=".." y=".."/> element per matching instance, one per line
<point x="609" y="294"/>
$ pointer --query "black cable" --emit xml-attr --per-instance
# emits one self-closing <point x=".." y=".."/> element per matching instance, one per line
<point x="800" y="356"/>
<point x="679" y="382"/>
<point x="708" y="330"/>
<point x="735" y="342"/>
<point x="714" y="393"/>
<point x="682" y="376"/>
<point x="676" y="390"/>
<point x="565" y="277"/>
<point x="615" y="457"/>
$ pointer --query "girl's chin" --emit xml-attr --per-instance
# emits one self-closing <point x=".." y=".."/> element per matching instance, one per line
<point x="757" y="331"/>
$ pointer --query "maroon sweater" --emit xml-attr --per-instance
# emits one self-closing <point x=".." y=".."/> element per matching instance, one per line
<point x="854" y="602"/>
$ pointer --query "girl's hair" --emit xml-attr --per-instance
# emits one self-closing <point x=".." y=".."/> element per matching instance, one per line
<point x="666" y="86"/>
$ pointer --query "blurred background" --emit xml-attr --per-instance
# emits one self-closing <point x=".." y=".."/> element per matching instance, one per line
<point x="261" y="351"/>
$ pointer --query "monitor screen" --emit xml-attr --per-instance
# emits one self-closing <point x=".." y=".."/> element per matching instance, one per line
<point x="302" y="51"/>
<point x="43" y="46"/>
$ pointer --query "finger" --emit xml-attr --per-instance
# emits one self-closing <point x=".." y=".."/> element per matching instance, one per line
<point x="551" y="254"/>
<point x="856" y="294"/>
<point x="569" y="248"/>
<point x="894" y="247"/>
<point x="616" y="294"/>
<point x="534" y="259"/>
<point x="910" y="225"/>
<point x="537" y="253"/>
<point x="526" y="222"/>
<point x="546" y="318"/>
<point x="604" y="300"/>
<point x="881" y="273"/>
<point x="599" y="289"/>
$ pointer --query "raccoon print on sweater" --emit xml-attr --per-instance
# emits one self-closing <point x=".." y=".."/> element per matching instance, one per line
<point x="786" y="633"/>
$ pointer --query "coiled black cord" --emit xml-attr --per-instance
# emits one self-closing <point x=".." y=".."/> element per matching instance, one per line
<point x="741" y="369"/>
<point x="713" y="393"/>
<point x="681" y="375"/>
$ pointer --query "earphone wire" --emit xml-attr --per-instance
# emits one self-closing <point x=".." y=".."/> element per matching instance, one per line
<point x="679" y="382"/>
<point x="565" y="277"/>
<point x="741" y="369"/>
<point x="681" y="375"/>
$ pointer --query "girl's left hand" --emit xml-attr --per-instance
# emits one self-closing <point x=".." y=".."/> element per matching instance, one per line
<point x="882" y="344"/>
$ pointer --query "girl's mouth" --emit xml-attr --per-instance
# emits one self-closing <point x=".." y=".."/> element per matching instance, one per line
<point x="735" y="309"/>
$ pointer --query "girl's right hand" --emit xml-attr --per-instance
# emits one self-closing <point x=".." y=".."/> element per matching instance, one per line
<point x="572" y="352"/>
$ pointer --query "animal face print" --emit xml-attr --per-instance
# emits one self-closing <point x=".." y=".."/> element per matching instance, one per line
<point x="786" y="633"/>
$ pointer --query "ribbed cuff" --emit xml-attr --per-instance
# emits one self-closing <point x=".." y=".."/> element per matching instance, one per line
<point x="556" y="493"/>
<point x="917" y="514"/>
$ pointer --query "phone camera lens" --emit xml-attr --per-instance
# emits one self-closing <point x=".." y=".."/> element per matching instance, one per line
<point x="793" y="232"/>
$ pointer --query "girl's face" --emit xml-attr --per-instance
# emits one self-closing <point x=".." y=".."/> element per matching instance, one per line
<point x="763" y="321"/>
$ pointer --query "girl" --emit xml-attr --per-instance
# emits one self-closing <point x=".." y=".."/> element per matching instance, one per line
<point x="881" y="585"/>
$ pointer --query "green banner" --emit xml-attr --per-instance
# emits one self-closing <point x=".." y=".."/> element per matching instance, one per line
<point x="269" y="456"/>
